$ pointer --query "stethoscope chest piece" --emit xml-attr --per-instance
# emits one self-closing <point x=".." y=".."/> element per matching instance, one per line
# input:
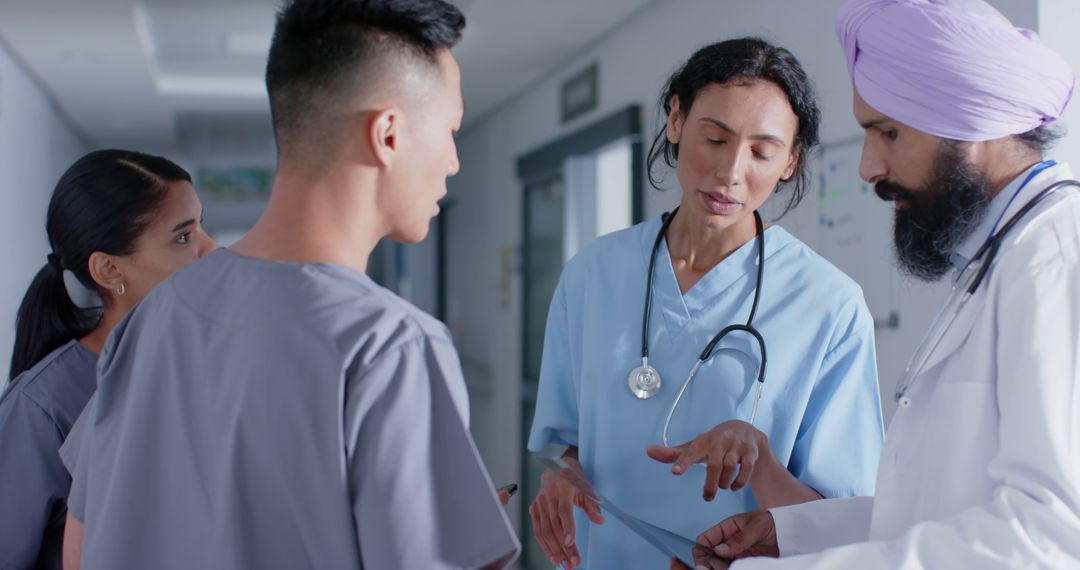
<point x="644" y="382"/>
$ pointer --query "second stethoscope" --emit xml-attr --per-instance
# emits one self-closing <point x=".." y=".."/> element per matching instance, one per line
<point x="966" y="284"/>
<point x="645" y="381"/>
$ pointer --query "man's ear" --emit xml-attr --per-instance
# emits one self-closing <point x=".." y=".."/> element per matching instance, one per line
<point x="383" y="133"/>
<point x="105" y="271"/>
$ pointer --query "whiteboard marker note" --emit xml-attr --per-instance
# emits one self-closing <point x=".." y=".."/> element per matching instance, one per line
<point x="855" y="228"/>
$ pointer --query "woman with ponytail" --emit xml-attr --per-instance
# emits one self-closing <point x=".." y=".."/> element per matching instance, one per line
<point x="120" y="222"/>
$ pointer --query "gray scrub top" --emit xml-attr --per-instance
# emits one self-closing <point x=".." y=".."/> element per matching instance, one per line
<point x="37" y="410"/>
<point x="258" y="414"/>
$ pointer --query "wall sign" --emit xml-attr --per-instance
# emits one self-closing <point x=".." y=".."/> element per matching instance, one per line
<point x="580" y="93"/>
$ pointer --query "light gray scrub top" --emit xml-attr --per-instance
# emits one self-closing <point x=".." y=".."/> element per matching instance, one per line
<point x="37" y="410"/>
<point x="257" y="414"/>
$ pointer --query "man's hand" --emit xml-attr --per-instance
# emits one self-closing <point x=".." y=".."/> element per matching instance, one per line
<point x="703" y="560"/>
<point x="743" y="535"/>
<point x="740" y="536"/>
<point x="715" y="564"/>
<point x="506" y="492"/>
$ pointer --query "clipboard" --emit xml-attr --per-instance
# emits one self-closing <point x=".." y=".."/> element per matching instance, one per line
<point x="673" y="545"/>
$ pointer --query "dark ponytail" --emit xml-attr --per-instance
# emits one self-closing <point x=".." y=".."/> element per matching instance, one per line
<point x="102" y="203"/>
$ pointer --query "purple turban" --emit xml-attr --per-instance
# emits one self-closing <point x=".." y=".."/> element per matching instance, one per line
<point x="956" y="69"/>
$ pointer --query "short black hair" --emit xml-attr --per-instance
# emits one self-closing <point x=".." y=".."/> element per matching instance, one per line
<point x="743" y="60"/>
<point x="321" y="48"/>
<point x="1042" y="138"/>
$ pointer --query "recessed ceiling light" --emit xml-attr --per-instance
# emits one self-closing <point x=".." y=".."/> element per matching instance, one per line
<point x="247" y="43"/>
<point x="211" y="86"/>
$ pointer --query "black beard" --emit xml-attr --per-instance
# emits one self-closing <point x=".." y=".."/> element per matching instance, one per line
<point x="937" y="218"/>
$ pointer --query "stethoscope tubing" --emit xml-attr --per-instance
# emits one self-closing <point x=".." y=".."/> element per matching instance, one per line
<point x="706" y="353"/>
<point x="988" y="250"/>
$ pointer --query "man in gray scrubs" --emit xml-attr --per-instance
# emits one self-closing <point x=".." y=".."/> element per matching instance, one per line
<point x="271" y="406"/>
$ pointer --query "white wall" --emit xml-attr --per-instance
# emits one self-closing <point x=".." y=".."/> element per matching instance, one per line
<point x="420" y="262"/>
<point x="36" y="146"/>
<point x="634" y="60"/>
<point x="1057" y="27"/>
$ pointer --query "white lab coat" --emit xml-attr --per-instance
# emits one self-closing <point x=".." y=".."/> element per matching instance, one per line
<point x="982" y="468"/>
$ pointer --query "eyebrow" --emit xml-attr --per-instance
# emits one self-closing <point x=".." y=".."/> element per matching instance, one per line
<point x="185" y="223"/>
<point x="762" y="137"/>
<point x="872" y="123"/>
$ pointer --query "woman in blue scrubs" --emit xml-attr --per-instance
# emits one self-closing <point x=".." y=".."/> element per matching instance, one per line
<point x="741" y="122"/>
<point x="120" y="222"/>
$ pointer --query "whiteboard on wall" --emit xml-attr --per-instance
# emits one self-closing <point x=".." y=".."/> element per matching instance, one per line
<point x="855" y="229"/>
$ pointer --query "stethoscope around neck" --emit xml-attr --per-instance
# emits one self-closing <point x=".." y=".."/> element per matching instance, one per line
<point x="966" y="284"/>
<point x="645" y="381"/>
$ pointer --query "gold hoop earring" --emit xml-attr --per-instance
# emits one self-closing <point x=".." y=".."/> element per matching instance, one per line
<point x="120" y="290"/>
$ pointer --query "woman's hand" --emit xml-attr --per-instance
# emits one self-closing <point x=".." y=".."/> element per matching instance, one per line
<point x="729" y="451"/>
<point x="553" y="516"/>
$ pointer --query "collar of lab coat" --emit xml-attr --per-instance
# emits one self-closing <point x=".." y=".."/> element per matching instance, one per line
<point x="963" y="321"/>
<point x="1003" y="206"/>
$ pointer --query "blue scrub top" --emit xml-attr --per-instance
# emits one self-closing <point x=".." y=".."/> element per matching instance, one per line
<point x="820" y="408"/>
<point x="37" y="411"/>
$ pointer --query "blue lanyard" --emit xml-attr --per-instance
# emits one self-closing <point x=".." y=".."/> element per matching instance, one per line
<point x="1034" y="172"/>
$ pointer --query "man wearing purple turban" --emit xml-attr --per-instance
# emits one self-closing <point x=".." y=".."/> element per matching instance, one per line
<point x="981" y="465"/>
